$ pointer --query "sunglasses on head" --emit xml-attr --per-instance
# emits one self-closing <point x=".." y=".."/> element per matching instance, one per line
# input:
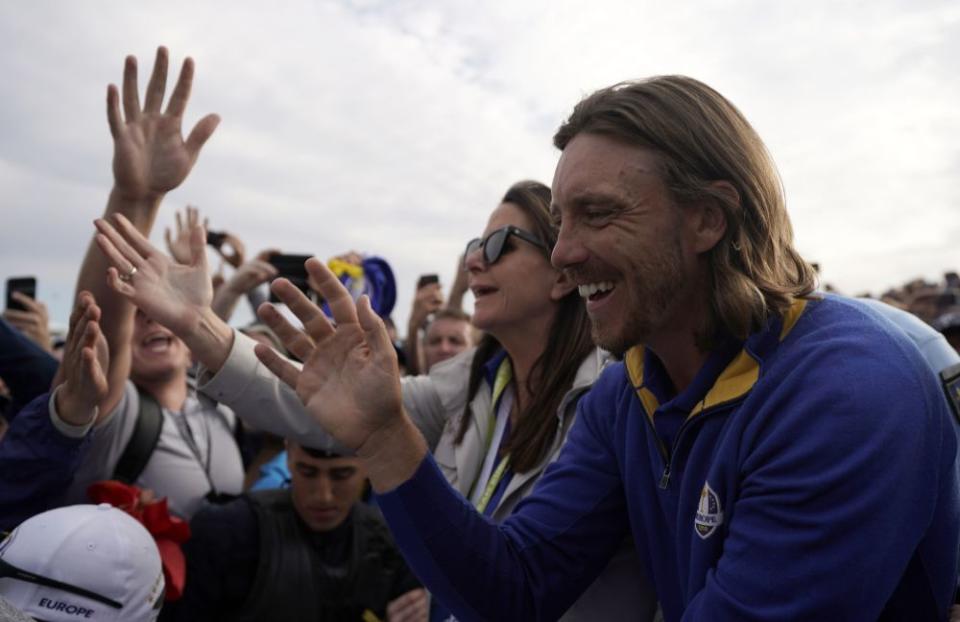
<point x="9" y="571"/>
<point x="495" y="244"/>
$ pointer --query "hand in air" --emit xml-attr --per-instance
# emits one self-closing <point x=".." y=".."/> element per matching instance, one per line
<point x="428" y="299"/>
<point x="150" y="156"/>
<point x="85" y="363"/>
<point x="250" y="275"/>
<point x="232" y="250"/>
<point x="172" y="294"/>
<point x="34" y="322"/>
<point x="350" y="382"/>
<point x="179" y="245"/>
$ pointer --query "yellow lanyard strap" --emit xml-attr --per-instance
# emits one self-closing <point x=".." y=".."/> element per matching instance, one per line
<point x="492" y="484"/>
<point x="500" y="383"/>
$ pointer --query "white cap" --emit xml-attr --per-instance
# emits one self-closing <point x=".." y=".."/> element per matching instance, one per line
<point x="96" y="548"/>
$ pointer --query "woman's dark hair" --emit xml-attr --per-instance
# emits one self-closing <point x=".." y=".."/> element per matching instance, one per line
<point x="555" y="369"/>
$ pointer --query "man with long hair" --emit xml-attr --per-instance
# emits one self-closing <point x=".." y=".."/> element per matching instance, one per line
<point x="775" y="453"/>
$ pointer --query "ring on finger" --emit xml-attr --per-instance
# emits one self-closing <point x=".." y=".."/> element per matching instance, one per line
<point x="129" y="275"/>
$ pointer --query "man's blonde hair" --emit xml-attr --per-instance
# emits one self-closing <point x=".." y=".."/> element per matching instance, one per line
<point x="701" y="138"/>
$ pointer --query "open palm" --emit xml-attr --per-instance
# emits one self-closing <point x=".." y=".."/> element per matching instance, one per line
<point x="150" y="155"/>
<point x="172" y="294"/>
<point x="350" y="379"/>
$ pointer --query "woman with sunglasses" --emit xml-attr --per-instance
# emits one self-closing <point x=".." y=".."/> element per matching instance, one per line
<point x="494" y="416"/>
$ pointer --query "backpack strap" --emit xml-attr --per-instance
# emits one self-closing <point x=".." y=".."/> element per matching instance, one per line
<point x="146" y="434"/>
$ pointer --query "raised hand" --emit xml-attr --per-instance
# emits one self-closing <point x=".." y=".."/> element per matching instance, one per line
<point x="34" y="322"/>
<point x="172" y="294"/>
<point x="350" y="381"/>
<point x="232" y="250"/>
<point x="85" y="364"/>
<point x="150" y="155"/>
<point x="250" y="275"/>
<point x="179" y="246"/>
<point x="427" y="300"/>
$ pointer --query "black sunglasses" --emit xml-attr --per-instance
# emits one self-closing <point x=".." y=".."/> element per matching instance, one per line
<point x="495" y="244"/>
<point x="9" y="571"/>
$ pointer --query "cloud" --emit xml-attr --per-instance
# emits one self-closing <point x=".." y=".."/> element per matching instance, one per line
<point x="393" y="127"/>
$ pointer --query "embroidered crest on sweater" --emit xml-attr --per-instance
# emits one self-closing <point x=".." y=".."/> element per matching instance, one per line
<point x="709" y="513"/>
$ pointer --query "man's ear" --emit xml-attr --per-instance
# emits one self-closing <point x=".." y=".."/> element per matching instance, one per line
<point x="562" y="285"/>
<point x="707" y="219"/>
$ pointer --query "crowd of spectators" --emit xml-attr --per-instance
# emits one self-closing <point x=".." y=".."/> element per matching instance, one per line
<point x="240" y="456"/>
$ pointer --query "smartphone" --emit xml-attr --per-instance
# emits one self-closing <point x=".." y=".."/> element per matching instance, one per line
<point x="291" y="268"/>
<point x="952" y="279"/>
<point x="26" y="285"/>
<point x="216" y="238"/>
<point x="427" y="279"/>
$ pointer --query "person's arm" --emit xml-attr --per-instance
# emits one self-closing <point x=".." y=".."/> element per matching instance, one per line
<point x="539" y="560"/>
<point x="842" y="468"/>
<point x="44" y="445"/>
<point x="25" y="367"/>
<point x="459" y="288"/>
<point x="34" y="321"/>
<point x="427" y="300"/>
<point x="248" y="277"/>
<point x="150" y="158"/>
<point x="37" y="463"/>
<point x="178" y="297"/>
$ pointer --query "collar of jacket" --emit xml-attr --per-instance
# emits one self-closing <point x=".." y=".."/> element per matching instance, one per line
<point x="736" y="379"/>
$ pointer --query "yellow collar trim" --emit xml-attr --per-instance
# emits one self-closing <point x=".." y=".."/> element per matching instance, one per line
<point x="735" y="381"/>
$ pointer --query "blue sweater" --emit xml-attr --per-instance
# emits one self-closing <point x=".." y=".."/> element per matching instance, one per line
<point x="809" y="473"/>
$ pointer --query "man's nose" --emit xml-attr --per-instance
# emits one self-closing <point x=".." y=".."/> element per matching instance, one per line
<point x="324" y="489"/>
<point x="569" y="250"/>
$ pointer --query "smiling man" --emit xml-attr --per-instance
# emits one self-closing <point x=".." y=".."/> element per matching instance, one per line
<point x="310" y="552"/>
<point x="776" y="454"/>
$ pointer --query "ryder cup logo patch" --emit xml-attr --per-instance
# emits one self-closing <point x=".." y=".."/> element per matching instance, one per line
<point x="709" y="513"/>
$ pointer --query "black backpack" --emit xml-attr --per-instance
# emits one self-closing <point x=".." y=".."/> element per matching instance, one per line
<point x="146" y="434"/>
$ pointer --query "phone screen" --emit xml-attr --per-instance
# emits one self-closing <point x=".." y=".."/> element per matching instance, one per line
<point x="26" y="285"/>
<point x="291" y="267"/>
<point x="215" y="238"/>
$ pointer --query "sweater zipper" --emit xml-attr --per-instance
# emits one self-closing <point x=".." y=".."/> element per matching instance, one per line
<point x="664" y="452"/>
<point x="667" y="454"/>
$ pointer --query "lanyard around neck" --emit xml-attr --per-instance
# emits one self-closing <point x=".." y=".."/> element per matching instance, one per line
<point x="492" y="484"/>
<point x="502" y="380"/>
<point x="500" y="383"/>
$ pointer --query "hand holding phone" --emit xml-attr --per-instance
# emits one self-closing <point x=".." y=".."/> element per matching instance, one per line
<point x="26" y="285"/>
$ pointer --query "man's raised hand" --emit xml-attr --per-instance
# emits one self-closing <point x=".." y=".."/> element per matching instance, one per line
<point x="350" y="380"/>
<point x="150" y="155"/>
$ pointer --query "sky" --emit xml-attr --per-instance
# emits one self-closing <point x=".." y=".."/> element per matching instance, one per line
<point x="394" y="127"/>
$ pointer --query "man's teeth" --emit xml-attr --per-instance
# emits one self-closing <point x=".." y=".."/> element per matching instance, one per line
<point x="593" y="288"/>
